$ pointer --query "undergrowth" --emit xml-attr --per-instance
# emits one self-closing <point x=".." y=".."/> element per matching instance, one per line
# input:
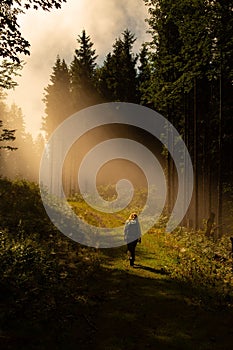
<point x="204" y="263"/>
<point x="47" y="278"/>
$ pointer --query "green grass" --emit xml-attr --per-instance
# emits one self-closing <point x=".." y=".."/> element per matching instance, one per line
<point x="146" y="307"/>
<point x="57" y="294"/>
<point x="94" y="300"/>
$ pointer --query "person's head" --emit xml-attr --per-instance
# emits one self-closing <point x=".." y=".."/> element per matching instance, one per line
<point x="133" y="216"/>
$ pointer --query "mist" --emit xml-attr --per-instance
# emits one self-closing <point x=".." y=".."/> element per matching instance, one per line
<point x="56" y="32"/>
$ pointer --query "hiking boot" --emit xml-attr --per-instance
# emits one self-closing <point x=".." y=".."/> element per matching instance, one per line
<point x="131" y="262"/>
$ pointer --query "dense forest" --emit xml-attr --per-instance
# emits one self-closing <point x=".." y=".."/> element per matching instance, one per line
<point x="58" y="294"/>
<point x="184" y="72"/>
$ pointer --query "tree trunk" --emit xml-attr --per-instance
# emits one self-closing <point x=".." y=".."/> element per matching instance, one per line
<point x="195" y="165"/>
<point x="220" y="180"/>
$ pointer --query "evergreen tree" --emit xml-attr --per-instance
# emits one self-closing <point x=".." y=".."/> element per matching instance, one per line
<point x="144" y="73"/>
<point x="6" y="135"/>
<point x="18" y="163"/>
<point x="82" y="72"/>
<point x="190" y="81"/>
<point x="57" y="97"/>
<point x="117" y="77"/>
<point x="222" y="87"/>
<point x="160" y="91"/>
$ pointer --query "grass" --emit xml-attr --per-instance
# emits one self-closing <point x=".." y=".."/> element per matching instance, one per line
<point x="97" y="301"/>
<point x="145" y="308"/>
<point x="57" y="294"/>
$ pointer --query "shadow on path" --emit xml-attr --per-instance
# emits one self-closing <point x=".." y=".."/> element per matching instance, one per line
<point x="151" y="269"/>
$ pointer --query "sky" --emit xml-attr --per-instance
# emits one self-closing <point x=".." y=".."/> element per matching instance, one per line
<point x="56" y="32"/>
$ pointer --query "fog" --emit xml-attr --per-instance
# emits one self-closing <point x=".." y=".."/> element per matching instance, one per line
<point x="56" y="32"/>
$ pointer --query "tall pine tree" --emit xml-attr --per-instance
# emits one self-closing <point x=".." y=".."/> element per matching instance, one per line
<point x="82" y="73"/>
<point x="144" y="74"/>
<point x="117" y="77"/>
<point x="57" y="97"/>
<point x="191" y="83"/>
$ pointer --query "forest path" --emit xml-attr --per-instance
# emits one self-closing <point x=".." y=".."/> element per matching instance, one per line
<point x="143" y="308"/>
<point x="116" y="307"/>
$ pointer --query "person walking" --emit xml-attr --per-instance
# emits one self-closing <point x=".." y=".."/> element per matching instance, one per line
<point x="132" y="236"/>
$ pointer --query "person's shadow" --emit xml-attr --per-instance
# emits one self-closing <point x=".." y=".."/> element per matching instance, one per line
<point x="161" y="271"/>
